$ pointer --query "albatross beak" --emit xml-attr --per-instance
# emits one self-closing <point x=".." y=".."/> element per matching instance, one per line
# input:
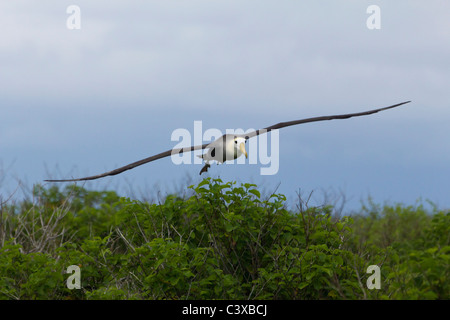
<point x="242" y="147"/>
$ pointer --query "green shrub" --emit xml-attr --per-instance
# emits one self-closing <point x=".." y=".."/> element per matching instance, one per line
<point x="223" y="242"/>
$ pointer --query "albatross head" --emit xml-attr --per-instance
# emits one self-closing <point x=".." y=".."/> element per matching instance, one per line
<point x="239" y="146"/>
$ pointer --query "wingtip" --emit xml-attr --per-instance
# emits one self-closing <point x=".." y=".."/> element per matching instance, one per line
<point x="397" y="105"/>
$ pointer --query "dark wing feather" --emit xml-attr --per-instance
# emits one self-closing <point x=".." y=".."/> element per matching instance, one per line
<point x="137" y="163"/>
<point x="247" y="136"/>
<point x="323" y="118"/>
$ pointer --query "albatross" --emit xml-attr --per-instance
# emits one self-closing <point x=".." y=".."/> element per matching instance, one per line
<point x="227" y="147"/>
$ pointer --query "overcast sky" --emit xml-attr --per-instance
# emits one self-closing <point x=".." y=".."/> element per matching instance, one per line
<point x="77" y="102"/>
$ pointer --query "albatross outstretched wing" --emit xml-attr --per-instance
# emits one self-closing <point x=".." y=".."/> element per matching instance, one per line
<point x="136" y="164"/>
<point x="315" y="119"/>
<point x="247" y="136"/>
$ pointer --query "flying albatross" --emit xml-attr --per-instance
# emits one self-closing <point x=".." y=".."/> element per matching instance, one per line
<point x="227" y="147"/>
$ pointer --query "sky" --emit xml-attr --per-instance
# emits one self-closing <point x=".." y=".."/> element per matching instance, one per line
<point x="84" y="100"/>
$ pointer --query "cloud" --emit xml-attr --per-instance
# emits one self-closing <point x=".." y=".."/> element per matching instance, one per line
<point x="226" y="54"/>
<point x="140" y="69"/>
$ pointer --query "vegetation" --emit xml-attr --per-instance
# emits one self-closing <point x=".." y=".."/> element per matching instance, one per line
<point x="223" y="242"/>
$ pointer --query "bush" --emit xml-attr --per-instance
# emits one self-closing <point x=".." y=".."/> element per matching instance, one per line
<point x="223" y="242"/>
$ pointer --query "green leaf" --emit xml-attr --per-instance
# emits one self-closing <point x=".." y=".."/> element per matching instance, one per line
<point x="255" y="192"/>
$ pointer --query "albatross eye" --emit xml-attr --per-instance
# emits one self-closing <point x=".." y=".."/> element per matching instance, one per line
<point x="235" y="141"/>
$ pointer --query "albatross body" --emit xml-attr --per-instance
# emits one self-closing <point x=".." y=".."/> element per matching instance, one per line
<point x="227" y="147"/>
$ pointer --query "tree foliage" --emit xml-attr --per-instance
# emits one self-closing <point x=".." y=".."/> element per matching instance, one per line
<point x="223" y="242"/>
